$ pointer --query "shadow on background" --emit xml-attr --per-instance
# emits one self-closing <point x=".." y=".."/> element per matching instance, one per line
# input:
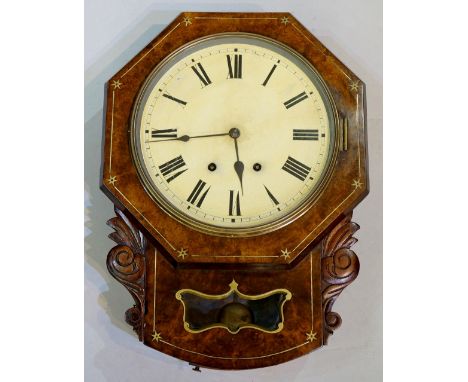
<point x="112" y="296"/>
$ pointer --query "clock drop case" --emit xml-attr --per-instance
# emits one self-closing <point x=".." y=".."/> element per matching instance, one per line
<point x="235" y="152"/>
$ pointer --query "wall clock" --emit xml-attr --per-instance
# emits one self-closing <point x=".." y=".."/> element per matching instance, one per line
<point x="235" y="152"/>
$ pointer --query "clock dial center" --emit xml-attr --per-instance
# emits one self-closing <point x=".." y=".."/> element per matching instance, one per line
<point x="234" y="133"/>
<point x="197" y="162"/>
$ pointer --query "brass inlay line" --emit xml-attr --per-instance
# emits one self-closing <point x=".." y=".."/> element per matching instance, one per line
<point x="358" y="137"/>
<point x="345" y="134"/>
<point x="234" y="256"/>
<point x="331" y="213"/>
<point x="307" y="38"/>
<point x="311" y="295"/>
<point x="235" y="18"/>
<point x="112" y="133"/>
<point x="233" y="290"/>
<point x="321" y="49"/>
<point x="218" y="357"/>
<point x="142" y="57"/>
<point x="154" y="291"/>
<point x="143" y="216"/>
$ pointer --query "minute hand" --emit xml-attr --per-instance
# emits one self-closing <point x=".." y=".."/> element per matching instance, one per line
<point x="186" y="138"/>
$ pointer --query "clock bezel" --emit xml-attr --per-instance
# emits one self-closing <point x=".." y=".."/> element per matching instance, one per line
<point x="222" y="231"/>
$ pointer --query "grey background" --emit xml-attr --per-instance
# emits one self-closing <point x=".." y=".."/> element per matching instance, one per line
<point x="115" y="30"/>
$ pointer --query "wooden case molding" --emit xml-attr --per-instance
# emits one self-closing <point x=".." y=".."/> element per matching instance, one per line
<point x="156" y="256"/>
<point x="340" y="267"/>
<point x="126" y="263"/>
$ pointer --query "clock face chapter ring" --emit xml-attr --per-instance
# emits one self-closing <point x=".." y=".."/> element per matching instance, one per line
<point x="234" y="134"/>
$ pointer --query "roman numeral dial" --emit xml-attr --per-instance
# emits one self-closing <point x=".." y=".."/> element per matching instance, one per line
<point x="232" y="136"/>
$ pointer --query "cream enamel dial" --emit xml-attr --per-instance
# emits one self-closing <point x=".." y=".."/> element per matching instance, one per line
<point x="233" y="134"/>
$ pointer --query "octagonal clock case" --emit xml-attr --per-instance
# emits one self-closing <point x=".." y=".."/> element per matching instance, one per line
<point x="234" y="153"/>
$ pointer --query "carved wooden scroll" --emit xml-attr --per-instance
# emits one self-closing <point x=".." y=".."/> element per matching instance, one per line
<point x="340" y="266"/>
<point x="126" y="263"/>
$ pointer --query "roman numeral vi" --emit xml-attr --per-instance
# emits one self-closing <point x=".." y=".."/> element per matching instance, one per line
<point x="234" y="204"/>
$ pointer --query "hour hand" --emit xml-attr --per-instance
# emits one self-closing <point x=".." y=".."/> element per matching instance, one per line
<point x="239" y="168"/>
<point x="238" y="165"/>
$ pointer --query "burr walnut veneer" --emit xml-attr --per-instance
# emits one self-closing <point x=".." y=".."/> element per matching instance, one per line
<point x="235" y="299"/>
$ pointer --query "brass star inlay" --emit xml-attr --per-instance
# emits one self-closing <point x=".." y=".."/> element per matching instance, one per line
<point x="354" y="86"/>
<point x="187" y="21"/>
<point x="356" y="184"/>
<point x="285" y="253"/>
<point x="285" y="20"/>
<point x="156" y="336"/>
<point x="116" y="84"/>
<point x="233" y="285"/>
<point x="311" y="336"/>
<point x="182" y="253"/>
<point x="112" y="180"/>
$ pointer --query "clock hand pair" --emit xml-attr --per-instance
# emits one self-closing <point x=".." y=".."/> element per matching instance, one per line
<point x="186" y="138"/>
<point x="233" y="133"/>
<point x="238" y="165"/>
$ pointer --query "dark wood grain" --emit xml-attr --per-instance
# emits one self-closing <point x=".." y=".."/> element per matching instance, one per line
<point x="340" y="267"/>
<point x="126" y="262"/>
